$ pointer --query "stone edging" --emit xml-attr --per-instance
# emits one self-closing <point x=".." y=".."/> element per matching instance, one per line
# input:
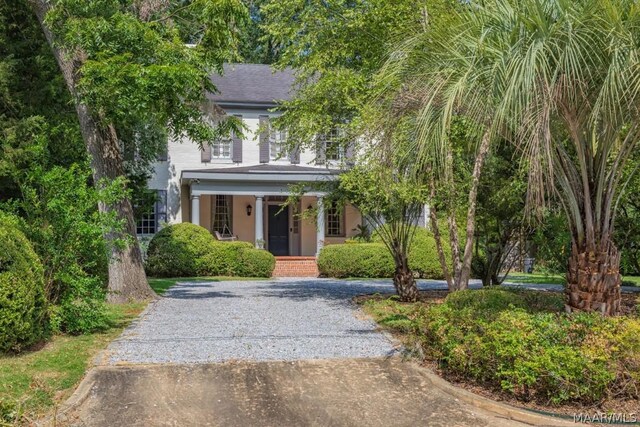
<point x="507" y="411"/>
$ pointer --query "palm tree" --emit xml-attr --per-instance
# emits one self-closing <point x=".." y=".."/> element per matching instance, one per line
<point x="558" y="78"/>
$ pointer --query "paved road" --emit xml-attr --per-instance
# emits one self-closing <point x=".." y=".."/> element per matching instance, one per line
<point x="339" y="392"/>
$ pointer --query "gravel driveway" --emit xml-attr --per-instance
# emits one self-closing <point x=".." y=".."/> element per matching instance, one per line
<point x="286" y="319"/>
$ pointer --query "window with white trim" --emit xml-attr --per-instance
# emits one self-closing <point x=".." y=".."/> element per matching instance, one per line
<point x="277" y="144"/>
<point x="334" y="149"/>
<point x="222" y="149"/>
<point x="150" y="220"/>
<point x="334" y="220"/>
<point x="222" y="214"/>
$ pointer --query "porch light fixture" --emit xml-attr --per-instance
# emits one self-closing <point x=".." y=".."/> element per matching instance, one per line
<point x="249" y="209"/>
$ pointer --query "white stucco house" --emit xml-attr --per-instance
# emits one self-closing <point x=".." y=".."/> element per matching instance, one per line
<point x="237" y="186"/>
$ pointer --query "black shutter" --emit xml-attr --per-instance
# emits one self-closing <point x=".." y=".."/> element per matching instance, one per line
<point x="350" y="154"/>
<point x="264" y="139"/>
<point x="205" y="153"/>
<point x="321" y="150"/>
<point x="294" y="157"/>
<point x="236" y="149"/>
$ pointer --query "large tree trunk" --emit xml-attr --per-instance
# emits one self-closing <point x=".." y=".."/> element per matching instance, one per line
<point x="593" y="280"/>
<point x="127" y="279"/>
<point x="483" y="150"/>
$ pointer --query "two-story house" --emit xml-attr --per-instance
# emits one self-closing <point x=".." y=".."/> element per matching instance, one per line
<point x="237" y="186"/>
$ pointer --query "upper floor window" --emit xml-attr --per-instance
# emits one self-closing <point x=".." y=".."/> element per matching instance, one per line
<point x="221" y="149"/>
<point x="334" y="145"/>
<point x="277" y="144"/>
<point x="335" y="221"/>
<point x="151" y="214"/>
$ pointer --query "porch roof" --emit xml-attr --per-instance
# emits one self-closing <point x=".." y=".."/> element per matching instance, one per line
<point x="265" y="179"/>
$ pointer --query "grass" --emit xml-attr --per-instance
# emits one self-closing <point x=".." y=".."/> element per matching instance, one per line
<point x="558" y="279"/>
<point x="161" y="284"/>
<point x="34" y="382"/>
<point x="538" y="278"/>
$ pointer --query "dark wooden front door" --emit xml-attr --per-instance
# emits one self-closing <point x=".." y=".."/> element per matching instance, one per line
<point x="278" y="231"/>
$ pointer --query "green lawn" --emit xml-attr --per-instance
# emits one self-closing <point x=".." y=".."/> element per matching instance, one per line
<point x="160" y="285"/>
<point x="558" y="279"/>
<point x="555" y="279"/>
<point x="33" y="383"/>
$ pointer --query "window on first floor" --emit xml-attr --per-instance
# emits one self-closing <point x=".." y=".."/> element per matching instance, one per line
<point x="334" y="221"/>
<point x="222" y="214"/>
<point x="151" y="212"/>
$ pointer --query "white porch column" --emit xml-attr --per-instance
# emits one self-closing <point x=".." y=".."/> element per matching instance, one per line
<point x="320" y="225"/>
<point x="259" y="223"/>
<point x="195" y="209"/>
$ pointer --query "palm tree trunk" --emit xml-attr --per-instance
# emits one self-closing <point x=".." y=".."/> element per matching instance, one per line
<point x="404" y="282"/>
<point x="593" y="280"/>
<point x="127" y="279"/>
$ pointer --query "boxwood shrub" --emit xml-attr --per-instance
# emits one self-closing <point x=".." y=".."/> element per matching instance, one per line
<point x="22" y="294"/>
<point x="522" y="344"/>
<point x="223" y="258"/>
<point x="356" y="260"/>
<point x="353" y="259"/>
<point x="256" y="263"/>
<point x="187" y="250"/>
<point x="178" y="250"/>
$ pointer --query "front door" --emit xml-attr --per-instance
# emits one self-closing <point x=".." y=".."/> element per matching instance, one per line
<point x="278" y="231"/>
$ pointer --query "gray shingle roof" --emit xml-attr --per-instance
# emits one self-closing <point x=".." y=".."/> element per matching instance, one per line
<point x="270" y="168"/>
<point x="252" y="84"/>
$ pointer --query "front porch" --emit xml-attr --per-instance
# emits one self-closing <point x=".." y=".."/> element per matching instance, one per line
<point x="249" y="202"/>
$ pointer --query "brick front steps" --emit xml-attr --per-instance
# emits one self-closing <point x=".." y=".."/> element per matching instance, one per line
<point x="296" y="266"/>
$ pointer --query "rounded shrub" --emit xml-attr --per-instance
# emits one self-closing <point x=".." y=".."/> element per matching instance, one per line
<point x="525" y="346"/>
<point x="22" y="293"/>
<point x="256" y="263"/>
<point x="178" y="251"/>
<point x="223" y="258"/>
<point x="423" y="254"/>
<point x="356" y="260"/>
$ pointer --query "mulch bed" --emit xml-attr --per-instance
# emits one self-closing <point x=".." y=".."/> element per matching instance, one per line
<point x="618" y="406"/>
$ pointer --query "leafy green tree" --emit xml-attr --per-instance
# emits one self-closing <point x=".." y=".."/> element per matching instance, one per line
<point x="256" y="46"/>
<point x="627" y="222"/>
<point x="335" y="47"/>
<point x="500" y="217"/>
<point x="393" y="212"/>
<point x="559" y="79"/>
<point x="127" y="66"/>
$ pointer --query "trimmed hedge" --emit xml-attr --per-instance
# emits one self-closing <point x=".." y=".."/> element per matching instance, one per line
<point x="521" y="343"/>
<point x="356" y="260"/>
<point x="22" y="294"/>
<point x="224" y="258"/>
<point x="373" y="260"/>
<point x="186" y="250"/>
<point x="256" y="263"/>
<point x="178" y="251"/>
